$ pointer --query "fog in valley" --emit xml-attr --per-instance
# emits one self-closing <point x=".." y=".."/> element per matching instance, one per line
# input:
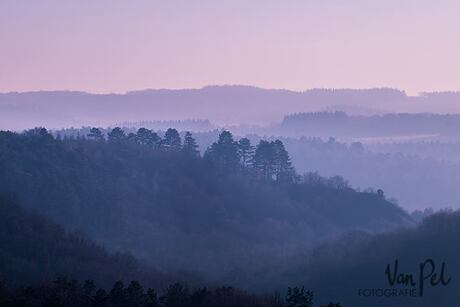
<point x="255" y="188"/>
<point x="379" y="139"/>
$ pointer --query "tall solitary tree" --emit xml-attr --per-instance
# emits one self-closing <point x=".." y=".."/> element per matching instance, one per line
<point x="172" y="141"/>
<point x="147" y="137"/>
<point x="283" y="170"/>
<point x="224" y="152"/>
<point x="271" y="161"/>
<point x="264" y="159"/>
<point x="190" y="147"/>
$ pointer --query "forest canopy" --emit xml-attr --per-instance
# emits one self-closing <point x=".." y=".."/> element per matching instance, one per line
<point x="157" y="197"/>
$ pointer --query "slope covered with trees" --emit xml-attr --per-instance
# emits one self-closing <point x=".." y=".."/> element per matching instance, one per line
<point x="33" y="249"/>
<point x="158" y="198"/>
<point x="41" y="263"/>
<point x="359" y="261"/>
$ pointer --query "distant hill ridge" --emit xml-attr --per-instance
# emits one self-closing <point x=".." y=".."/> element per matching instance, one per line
<point x="222" y="105"/>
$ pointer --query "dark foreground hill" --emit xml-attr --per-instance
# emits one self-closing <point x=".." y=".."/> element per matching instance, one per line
<point x="353" y="270"/>
<point x="40" y="265"/>
<point x="179" y="211"/>
<point x="34" y="249"/>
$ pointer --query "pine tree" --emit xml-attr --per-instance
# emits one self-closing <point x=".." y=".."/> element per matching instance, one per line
<point x="283" y="170"/>
<point x="172" y="141"/>
<point x="190" y="147"/>
<point x="116" y="135"/>
<point x="264" y="159"/>
<point x="148" y="137"/>
<point x="224" y="152"/>
<point x="95" y="134"/>
<point x="271" y="161"/>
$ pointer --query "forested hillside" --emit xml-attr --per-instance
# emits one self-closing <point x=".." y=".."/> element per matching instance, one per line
<point x="399" y="169"/>
<point x="158" y="198"/>
<point x="41" y="265"/>
<point x="359" y="261"/>
<point x="34" y="249"/>
<point x="358" y="268"/>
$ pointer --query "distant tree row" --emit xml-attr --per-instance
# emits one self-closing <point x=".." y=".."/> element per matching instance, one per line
<point x="268" y="160"/>
<point x="171" y="142"/>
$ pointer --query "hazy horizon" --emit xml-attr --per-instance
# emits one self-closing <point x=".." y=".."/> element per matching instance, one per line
<point x="146" y="89"/>
<point x="116" y="46"/>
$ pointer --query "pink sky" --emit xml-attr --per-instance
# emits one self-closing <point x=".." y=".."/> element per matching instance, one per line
<point x="116" y="46"/>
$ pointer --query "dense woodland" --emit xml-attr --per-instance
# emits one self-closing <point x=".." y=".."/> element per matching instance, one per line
<point x="400" y="169"/>
<point x="219" y="215"/>
<point x="335" y="270"/>
<point x="35" y="249"/>
<point x="359" y="260"/>
<point x="151" y="210"/>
